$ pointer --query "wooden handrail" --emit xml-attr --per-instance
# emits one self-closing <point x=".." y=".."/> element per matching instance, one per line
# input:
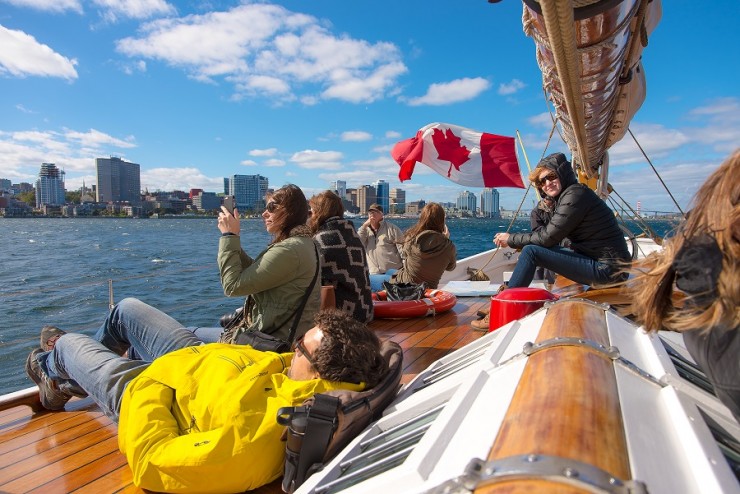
<point x="28" y="396"/>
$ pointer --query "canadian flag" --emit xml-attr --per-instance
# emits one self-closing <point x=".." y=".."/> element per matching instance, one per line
<point x="466" y="157"/>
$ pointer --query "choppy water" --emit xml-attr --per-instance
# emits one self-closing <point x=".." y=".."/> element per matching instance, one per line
<point x="56" y="271"/>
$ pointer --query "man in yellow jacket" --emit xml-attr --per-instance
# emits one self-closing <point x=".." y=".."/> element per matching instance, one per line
<point x="203" y="418"/>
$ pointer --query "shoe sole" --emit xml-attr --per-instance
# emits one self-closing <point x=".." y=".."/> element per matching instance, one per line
<point x="29" y="371"/>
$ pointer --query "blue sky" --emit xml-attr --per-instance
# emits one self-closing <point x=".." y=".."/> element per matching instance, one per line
<point x="311" y="92"/>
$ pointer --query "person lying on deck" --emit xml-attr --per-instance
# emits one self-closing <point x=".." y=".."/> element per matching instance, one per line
<point x="202" y="417"/>
<point x="597" y="249"/>
<point x="702" y="260"/>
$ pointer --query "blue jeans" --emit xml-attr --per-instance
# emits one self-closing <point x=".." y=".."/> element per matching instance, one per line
<point x="564" y="261"/>
<point x="83" y="365"/>
<point x="376" y="280"/>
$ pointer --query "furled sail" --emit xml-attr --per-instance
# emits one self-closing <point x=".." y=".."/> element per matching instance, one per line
<point x="589" y="53"/>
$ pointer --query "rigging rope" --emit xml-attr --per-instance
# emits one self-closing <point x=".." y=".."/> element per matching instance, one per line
<point x="656" y="173"/>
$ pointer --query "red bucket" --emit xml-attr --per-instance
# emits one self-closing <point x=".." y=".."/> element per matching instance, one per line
<point x="515" y="303"/>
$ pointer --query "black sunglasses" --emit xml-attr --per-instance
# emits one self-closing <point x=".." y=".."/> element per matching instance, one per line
<point x="272" y="206"/>
<point x="301" y="348"/>
<point x="549" y="177"/>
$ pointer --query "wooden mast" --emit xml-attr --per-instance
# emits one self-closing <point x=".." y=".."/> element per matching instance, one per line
<point x="566" y="405"/>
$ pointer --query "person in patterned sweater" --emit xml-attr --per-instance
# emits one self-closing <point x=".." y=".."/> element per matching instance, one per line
<point x="343" y="258"/>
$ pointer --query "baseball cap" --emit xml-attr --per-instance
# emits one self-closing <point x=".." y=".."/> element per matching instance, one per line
<point x="375" y="207"/>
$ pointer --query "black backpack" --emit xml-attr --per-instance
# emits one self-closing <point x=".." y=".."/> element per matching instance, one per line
<point x="327" y="422"/>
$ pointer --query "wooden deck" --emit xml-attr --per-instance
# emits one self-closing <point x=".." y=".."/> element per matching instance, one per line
<point x="76" y="450"/>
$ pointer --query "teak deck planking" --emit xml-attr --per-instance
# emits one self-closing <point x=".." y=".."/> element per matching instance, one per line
<point x="76" y="450"/>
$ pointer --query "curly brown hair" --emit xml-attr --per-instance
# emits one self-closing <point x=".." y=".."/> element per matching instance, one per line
<point x="716" y="213"/>
<point x="293" y="210"/>
<point x="324" y="205"/>
<point x="349" y="351"/>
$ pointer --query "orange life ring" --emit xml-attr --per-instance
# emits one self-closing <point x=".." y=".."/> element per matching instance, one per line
<point x="434" y="302"/>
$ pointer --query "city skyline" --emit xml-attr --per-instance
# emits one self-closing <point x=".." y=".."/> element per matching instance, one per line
<point x="314" y="92"/>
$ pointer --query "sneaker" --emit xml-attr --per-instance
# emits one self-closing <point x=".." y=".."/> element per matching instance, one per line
<point x="52" y="398"/>
<point x="49" y="337"/>
<point x="481" y="324"/>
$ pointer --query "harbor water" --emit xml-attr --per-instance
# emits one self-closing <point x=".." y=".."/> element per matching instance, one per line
<point x="57" y="271"/>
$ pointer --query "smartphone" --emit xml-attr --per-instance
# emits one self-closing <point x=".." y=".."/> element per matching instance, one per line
<point x="229" y="204"/>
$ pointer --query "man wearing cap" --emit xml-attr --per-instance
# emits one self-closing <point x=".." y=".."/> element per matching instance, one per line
<point x="381" y="240"/>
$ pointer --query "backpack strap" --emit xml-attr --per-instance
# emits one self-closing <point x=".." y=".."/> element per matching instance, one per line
<point x="310" y="430"/>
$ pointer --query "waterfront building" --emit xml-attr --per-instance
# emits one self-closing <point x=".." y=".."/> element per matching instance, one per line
<point x="489" y="203"/>
<point x="365" y="197"/>
<point x="5" y="185"/>
<point x="397" y="201"/>
<point x="118" y="180"/>
<point x="340" y="187"/>
<point x="466" y="203"/>
<point x="50" y="186"/>
<point x="249" y="191"/>
<point x="415" y="207"/>
<point x="206" y="201"/>
<point x="382" y="194"/>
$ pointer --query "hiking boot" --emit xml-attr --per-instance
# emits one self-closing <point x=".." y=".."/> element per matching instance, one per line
<point x="503" y="287"/>
<point x="49" y="337"/>
<point x="483" y="312"/>
<point x="52" y="398"/>
<point x="481" y="324"/>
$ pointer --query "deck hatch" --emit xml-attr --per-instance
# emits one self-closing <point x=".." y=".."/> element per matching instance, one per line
<point x="381" y="452"/>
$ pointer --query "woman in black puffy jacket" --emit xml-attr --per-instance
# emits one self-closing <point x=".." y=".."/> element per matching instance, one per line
<point x="597" y="249"/>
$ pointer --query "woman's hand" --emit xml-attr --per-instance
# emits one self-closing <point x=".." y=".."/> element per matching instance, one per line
<point x="227" y="222"/>
<point x="501" y="239"/>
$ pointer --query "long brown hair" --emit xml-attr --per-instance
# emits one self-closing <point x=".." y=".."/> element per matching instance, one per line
<point x="293" y="210"/>
<point x="324" y="206"/>
<point x="432" y="217"/>
<point x="716" y="213"/>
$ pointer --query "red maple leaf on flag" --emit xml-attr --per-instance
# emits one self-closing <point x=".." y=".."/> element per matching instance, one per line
<point x="449" y="149"/>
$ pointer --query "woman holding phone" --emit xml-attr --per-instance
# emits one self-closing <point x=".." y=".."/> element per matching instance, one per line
<point x="277" y="279"/>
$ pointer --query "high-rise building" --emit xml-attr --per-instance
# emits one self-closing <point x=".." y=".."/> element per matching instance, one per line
<point x="397" y="201"/>
<point x="489" y="203"/>
<point x="340" y="187"/>
<point x="50" y="186"/>
<point x="466" y="201"/>
<point x="365" y="197"/>
<point x="249" y="191"/>
<point x="5" y="185"/>
<point x="382" y="194"/>
<point x="118" y="180"/>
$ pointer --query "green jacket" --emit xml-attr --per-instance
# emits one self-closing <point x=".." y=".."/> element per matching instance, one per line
<point x="203" y="418"/>
<point x="276" y="281"/>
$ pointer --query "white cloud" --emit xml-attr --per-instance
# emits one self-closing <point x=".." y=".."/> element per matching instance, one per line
<point x="452" y="92"/>
<point x="21" y="56"/>
<point x="49" y="5"/>
<point x="263" y="152"/>
<point x="274" y="163"/>
<point x="23" y="109"/>
<point x="318" y="160"/>
<point x="112" y="10"/>
<point x="248" y="163"/>
<point x="96" y="139"/>
<point x="184" y="178"/>
<point x="542" y="120"/>
<point x="266" y="50"/>
<point x="392" y="134"/>
<point x="356" y="136"/>
<point x="22" y="152"/>
<point x="511" y="87"/>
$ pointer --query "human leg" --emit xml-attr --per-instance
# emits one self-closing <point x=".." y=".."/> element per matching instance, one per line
<point x="78" y="364"/>
<point x="207" y="335"/>
<point x="144" y="331"/>
<point x="574" y="266"/>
